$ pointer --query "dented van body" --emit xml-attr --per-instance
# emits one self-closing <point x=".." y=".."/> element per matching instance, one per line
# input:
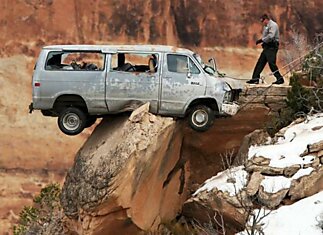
<point x="98" y="80"/>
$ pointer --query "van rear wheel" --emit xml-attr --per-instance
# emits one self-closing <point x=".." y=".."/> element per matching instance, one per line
<point x="71" y="121"/>
<point x="201" y="118"/>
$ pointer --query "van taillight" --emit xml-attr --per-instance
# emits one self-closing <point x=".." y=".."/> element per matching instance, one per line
<point x="37" y="83"/>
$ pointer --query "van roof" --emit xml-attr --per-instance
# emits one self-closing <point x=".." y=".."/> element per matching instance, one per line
<point x="117" y="48"/>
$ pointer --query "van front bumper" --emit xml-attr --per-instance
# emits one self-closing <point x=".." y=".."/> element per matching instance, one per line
<point x="230" y="108"/>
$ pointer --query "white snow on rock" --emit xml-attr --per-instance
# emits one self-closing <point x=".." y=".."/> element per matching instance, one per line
<point x="231" y="181"/>
<point x="304" y="217"/>
<point x="287" y="150"/>
<point x="273" y="184"/>
<point x="302" y="172"/>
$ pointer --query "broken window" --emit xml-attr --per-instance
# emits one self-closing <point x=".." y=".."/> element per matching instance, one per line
<point x="134" y="62"/>
<point x="90" y="61"/>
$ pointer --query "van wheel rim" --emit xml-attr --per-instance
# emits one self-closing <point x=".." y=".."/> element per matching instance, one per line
<point x="71" y="121"/>
<point x="200" y="118"/>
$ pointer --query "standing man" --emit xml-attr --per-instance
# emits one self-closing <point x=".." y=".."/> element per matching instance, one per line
<point x="270" y="44"/>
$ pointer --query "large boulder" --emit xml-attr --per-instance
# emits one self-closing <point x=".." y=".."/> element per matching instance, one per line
<point x="307" y="185"/>
<point x="128" y="177"/>
<point x="271" y="200"/>
<point x="257" y="137"/>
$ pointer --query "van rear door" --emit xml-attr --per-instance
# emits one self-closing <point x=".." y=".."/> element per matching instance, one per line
<point x="79" y="73"/>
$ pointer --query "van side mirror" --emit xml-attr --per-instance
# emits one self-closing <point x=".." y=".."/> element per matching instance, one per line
<point x="189" y="74"/>
<point x="213" y="62"/>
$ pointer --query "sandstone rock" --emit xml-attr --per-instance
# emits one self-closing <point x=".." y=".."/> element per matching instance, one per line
<point x="291" y="170"/>
<point x="270" y="97"/>
<point x="256" y="137"/>
<point x="263" y="90"/>
<point x="315" y="147"/>
<point x="316" y="163"/>
<point x="307" y="185"/>
<point x="163" y="22"/>
<point x="267" y="170"/>
<point x="203" y="210"/>
<point x="206" y="151"/>
<point x="128" y="176"/>
<point x="138" y="114"/>
<point x="271" y="200"/>
<point x="239" y="201"/>
<point x="264" y="99"/>
<point x="254" y="183"/>
<point x="259" y="161"/>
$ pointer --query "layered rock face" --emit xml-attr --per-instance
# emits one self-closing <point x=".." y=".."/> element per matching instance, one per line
<point x="134" y="173"/>
<point x="30" y="24"/>
<point x="128" y="177"/>
<point x="264" y="95"/>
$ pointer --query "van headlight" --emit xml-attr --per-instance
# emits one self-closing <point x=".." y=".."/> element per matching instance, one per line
<point x="226" y="87"/>
<point x="227" y="96"/>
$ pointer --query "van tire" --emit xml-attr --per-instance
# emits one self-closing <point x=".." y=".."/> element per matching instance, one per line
<point x="201" y="118"/>
<point x="71" y="121"/>
<point x="90" y="121"/>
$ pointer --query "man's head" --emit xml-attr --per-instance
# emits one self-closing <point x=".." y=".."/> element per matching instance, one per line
<point x="264" y="19"/>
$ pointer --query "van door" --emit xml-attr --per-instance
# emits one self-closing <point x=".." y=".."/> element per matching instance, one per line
<point x="132" y="80"/>
<point x="182" y="81"/>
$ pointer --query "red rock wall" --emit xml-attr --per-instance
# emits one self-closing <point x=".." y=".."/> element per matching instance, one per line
<point x="29" y="24"/>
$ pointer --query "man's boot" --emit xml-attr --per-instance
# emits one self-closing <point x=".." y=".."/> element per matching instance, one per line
<point x="253" y="81"/>
<point x="279" y="81"/>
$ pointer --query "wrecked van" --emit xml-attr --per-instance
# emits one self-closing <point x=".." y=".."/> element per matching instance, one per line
<point x="78" y="83"/>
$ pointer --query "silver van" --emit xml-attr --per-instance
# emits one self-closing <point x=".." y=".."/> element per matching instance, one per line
<point x="78" y="83"/>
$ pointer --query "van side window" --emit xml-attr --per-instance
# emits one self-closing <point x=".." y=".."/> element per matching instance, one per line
<point x="181" y="64"/>
<point x="134" y="62"/>
<point x="89" y="61"/>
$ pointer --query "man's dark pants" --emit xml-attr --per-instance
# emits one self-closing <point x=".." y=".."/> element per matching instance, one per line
<point x="268" y="55"/>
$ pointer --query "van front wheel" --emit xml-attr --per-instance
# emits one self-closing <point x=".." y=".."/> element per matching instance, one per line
<point x="201" y="118"/>
<point x="71" y="121"/>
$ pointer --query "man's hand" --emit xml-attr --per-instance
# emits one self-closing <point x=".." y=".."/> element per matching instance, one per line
<point x="258" y="41"/>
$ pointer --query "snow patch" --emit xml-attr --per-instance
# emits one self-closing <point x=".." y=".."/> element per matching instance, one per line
<point x="302" y="172"/>
<point x="231" y="181"/>
<point x="302" y="217"/>
<point x="287" y="150"/>
<point x="273" y="184"/>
